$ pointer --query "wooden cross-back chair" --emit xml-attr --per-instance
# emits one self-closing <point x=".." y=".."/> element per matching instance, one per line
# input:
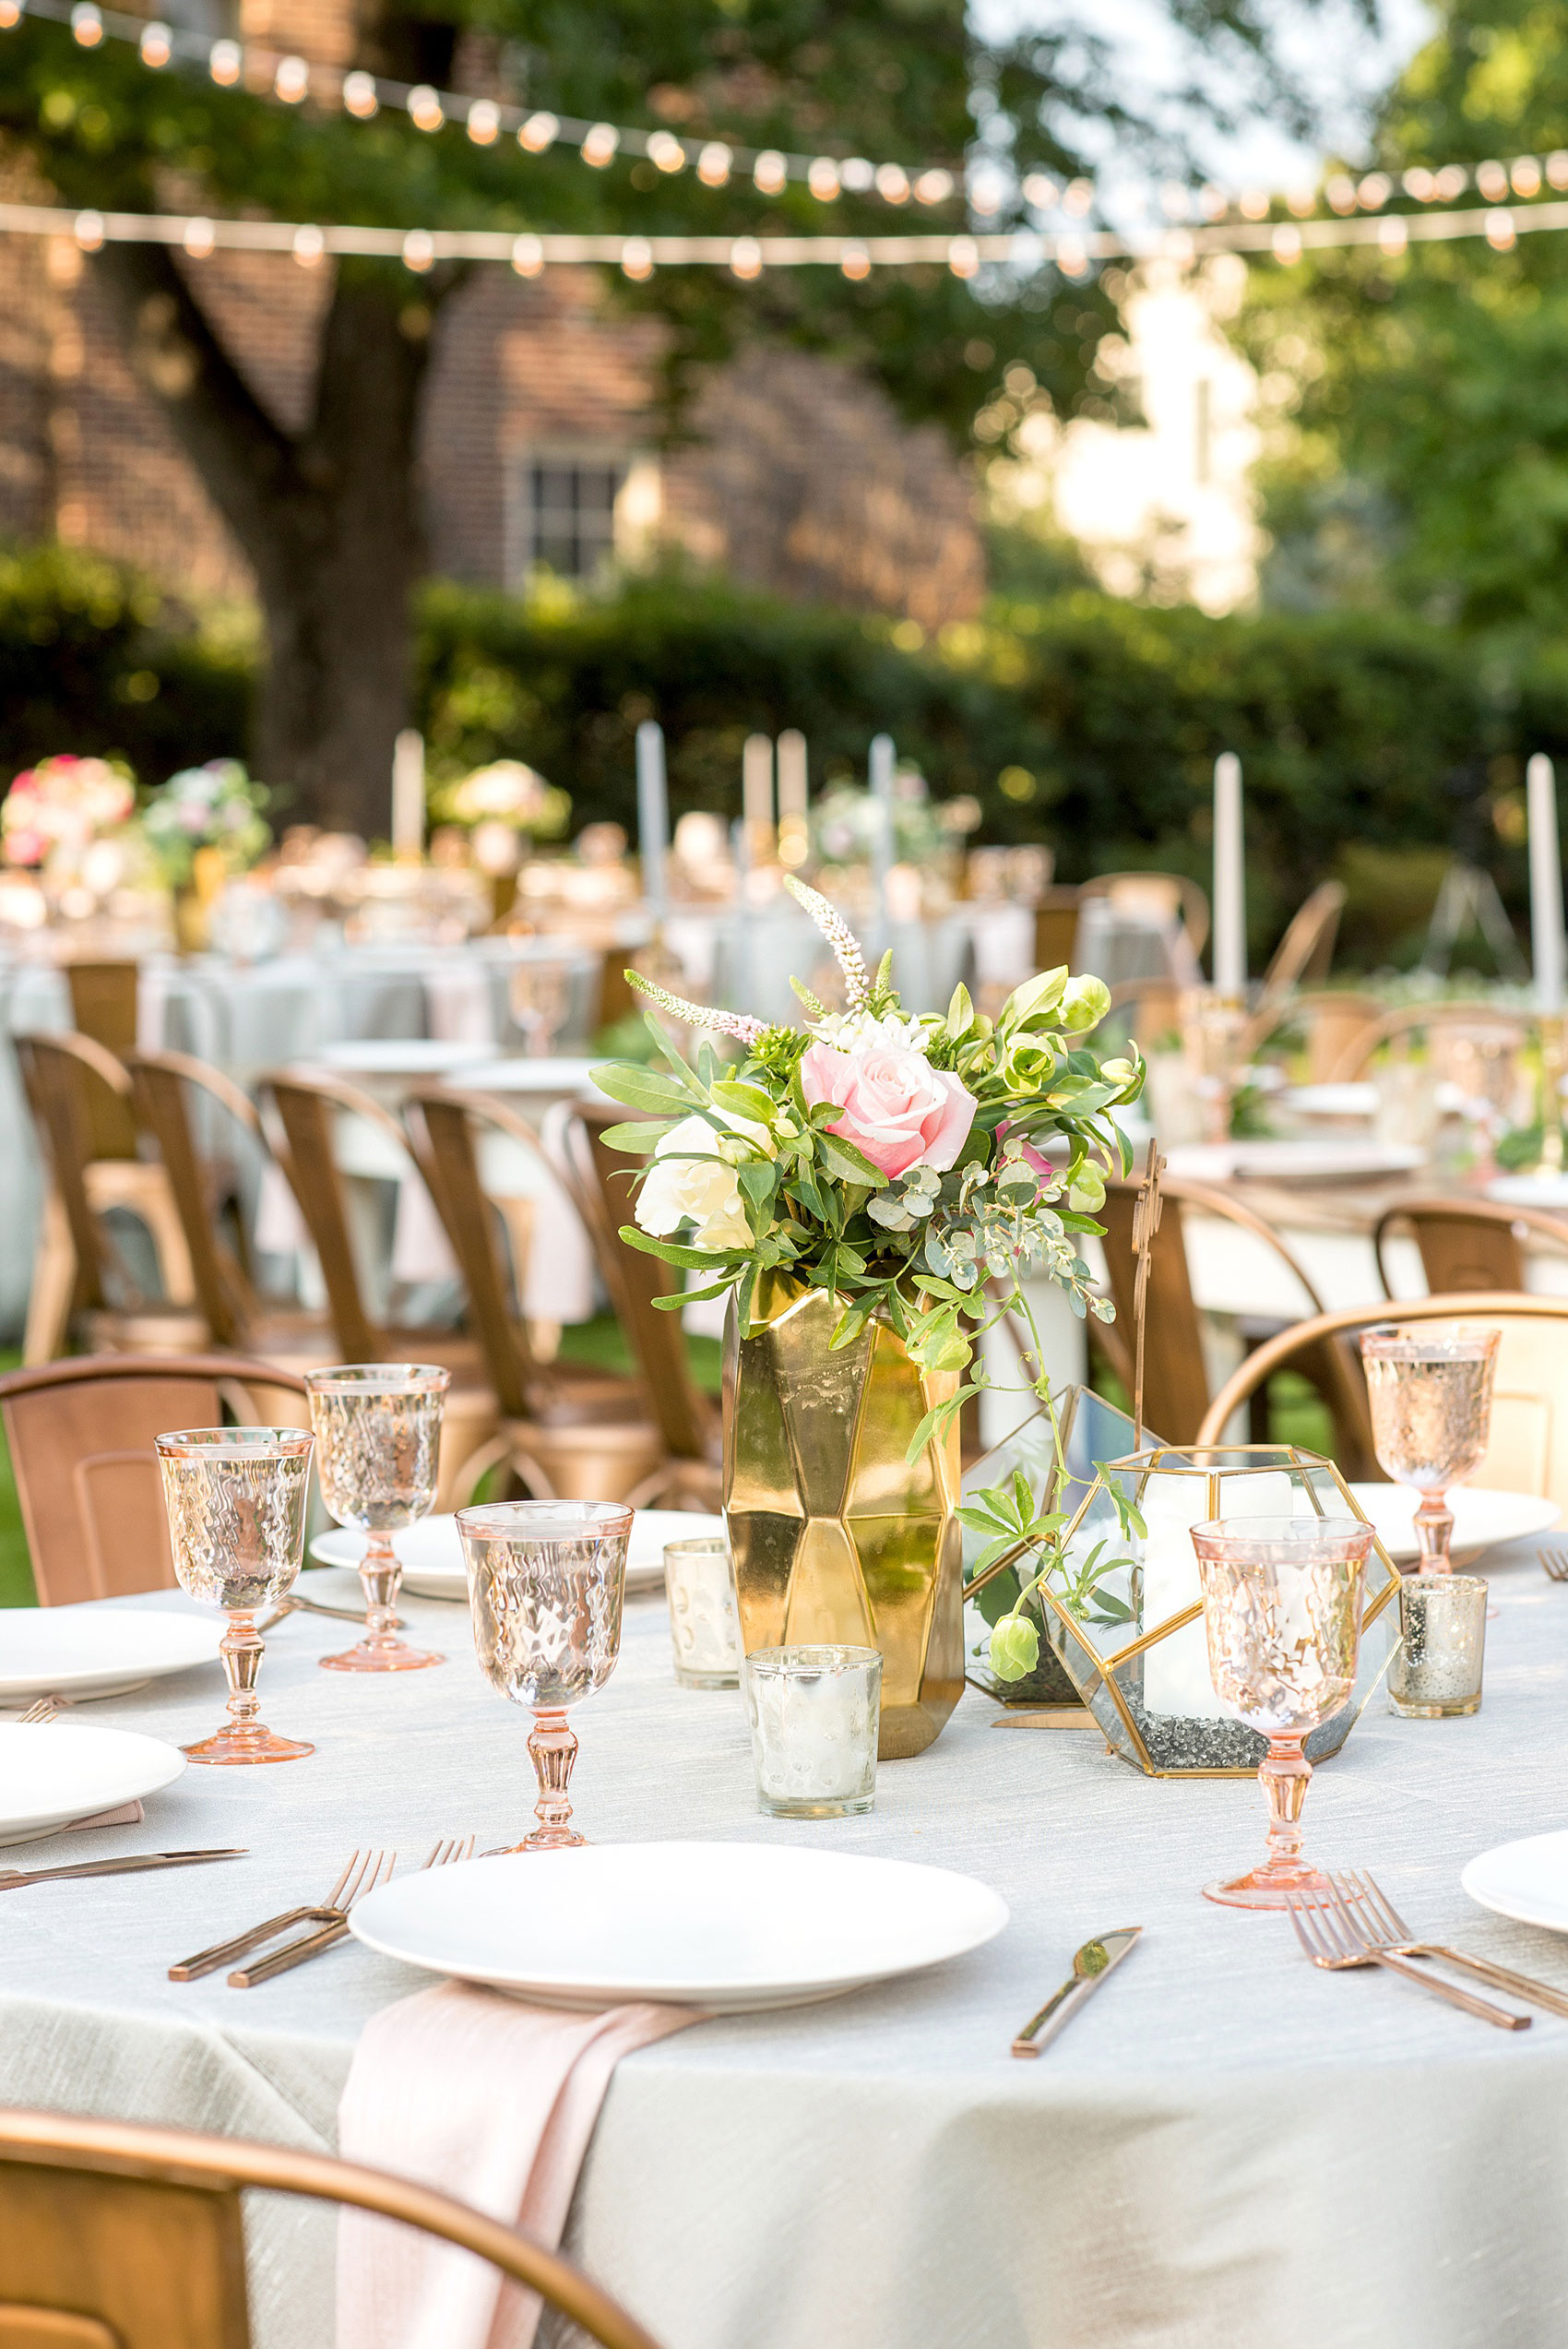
<point x="1529" y="1448"/>
<point x="1335" y="1023"/>
<point x="1176" y="1389"/>
<point x="568" y="1432"/>
<point x="82" y="1111"/>
<point x="81" y="1443"/>
<point x="104" y="1003"/>
<point x="1445" y="1024"/>
<point x="204" y="1186"/>
<point x="303" y="1142"/>
<point x="115" y="2236"/>
<point x="599" y="1179"/>
<point x="1305" y="952"/>
<point x="1469" y="1244"/>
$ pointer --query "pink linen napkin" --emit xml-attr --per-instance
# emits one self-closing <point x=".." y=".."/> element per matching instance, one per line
<point x="487" y="2099"/>
<point x="128" y="1815"/>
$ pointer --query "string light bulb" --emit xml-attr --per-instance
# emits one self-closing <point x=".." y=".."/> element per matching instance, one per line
<point x="769" y="173"/>
<point x="528" y="256"/>
<point x="292" y="80"/>
<point x="1254" y="204"/>
<point x="636" y="259"/>
<point x="157" y="45"/>
<point x="856" y="263"/>
<point x="419" y="251"/>
<point x="484" y="122"/>
<point x="1042" y="191"/>
<point x="88" y="230"/>
<point x="1524" y="173"/>
<point x="857" y="175"/>
<point x="1393" y="236"/>
<point x="893" y="183"/>
<point x="714" y="163"/>
<point x="600" y="145"/>
<point x="666" y="152"/>
<point x="1451" y="181"/>
<point x="963" y="256"/>
<point x="1375" y="191"/>
<point x="538" y="132"/>
<point x="745" y="257"/>
<point x="1499" y="233"/>
<point x="201" y="238"/>
<point x="1286" y="244"/>
<point x="309" y="244"/>
<point x="821" y="178"/>
<point x="425" y="111"/>
<point x="360" y="96"/>
<point x="10" y="14"/>
<point x="1493" y="182"/>
<point x="1418" y="183"/>
<point x="87" y="24"/>
<point x="933" y="188"/>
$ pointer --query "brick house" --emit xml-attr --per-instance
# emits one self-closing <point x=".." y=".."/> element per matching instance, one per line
<point x="540" y="439"/>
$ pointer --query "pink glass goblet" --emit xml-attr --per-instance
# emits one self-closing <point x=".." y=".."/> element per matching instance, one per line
<point x="1430" y="1389"/>
<point x="236" y="1503"/>
<point x="546" y="1583"/>
<point x="1282" y="1610"/>
<point x="377" y="1443"/>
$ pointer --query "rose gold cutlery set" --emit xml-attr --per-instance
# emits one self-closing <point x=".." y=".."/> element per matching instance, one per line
<point x="328" y="1923"/>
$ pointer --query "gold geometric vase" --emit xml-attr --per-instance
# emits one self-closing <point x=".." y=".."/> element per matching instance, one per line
<point x="835" y="1537"/>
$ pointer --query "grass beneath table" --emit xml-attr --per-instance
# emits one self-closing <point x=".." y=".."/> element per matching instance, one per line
<point x="599" y="1342"/>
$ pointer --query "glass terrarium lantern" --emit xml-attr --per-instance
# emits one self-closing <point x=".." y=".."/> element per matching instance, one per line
<point x="1120" y="1617"/>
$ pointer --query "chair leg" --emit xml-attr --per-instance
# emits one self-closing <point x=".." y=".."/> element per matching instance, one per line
<point x="1258" y="1414"/>
<point x="54" y="1286"/>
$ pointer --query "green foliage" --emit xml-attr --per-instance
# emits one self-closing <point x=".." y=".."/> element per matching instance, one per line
<point x="1420" y="443"/>
<point x="95" y="661"/>
<point x="1372" y="743"/>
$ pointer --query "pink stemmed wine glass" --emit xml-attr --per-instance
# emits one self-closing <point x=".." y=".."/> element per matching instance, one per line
<point x="546" y="1583"/>
<point x="378" y="1438"/>
<point x="1282" y="1609"/>
<point x="236" y="1503"/>
<point x="1430" y="1389"/>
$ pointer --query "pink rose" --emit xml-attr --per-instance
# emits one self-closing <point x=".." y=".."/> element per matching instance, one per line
<point x="898" y="1110"/>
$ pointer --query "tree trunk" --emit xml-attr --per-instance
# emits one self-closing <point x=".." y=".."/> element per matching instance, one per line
<point x="329" y="519"/>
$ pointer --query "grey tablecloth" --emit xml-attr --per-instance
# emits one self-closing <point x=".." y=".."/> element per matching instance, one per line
<point x="1227" y="2146"/>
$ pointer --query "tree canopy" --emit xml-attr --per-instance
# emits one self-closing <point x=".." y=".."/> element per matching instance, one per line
<point x="1419" y="438"/>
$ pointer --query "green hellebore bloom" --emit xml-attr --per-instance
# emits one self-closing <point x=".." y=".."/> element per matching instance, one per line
<point x="1015" y="1648"/>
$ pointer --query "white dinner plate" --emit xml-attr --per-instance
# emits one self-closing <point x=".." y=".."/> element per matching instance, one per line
<point x="1332" y="1101"/>
<point x="1527" y="1879"/>
<point x="1282" y="1162"/>
<point x="54" y="1772"/>
<point x="97" y="1650"/>
<point x="1480" y="1519"/>
<point x="526" y="1076"/>
<point x="392" y="1057"/>
<point x="730" y="1926"/>
<point x="431" y="1552"/>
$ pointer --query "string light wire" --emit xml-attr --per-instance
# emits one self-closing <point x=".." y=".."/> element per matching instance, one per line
<point x="749" y="257"/>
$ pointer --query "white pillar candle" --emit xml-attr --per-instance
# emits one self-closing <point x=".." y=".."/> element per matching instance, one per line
<point x="1546" y="884"/>
<point x="1229" y="881"/>
<point x="653" y="812"/>
<point x="408" y="796"/>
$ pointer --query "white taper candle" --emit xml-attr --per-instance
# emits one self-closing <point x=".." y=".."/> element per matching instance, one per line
<point x="1546" y="884"/>
<point x="408" y="795"/>
<point x="1230" y="879"/>
<point x="653" y="812"/>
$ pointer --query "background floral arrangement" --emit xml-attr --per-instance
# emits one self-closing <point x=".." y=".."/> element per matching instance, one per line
<point x="506" y="792"/>
<point x="215" y="806"/>
<point x="56" y="810"/>
<point x="902" y="1163"/>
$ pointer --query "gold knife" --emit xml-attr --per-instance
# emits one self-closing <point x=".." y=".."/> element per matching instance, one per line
<point x="1090" y="1966"/>
<point x="12" y="1879"/>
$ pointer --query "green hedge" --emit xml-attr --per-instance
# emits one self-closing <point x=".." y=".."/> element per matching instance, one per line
<point x="1371" y="744"/>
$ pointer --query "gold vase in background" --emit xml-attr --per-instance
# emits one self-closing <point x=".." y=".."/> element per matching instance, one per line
<point x="835" y="1538"/>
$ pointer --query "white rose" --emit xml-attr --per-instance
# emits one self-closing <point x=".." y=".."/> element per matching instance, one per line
<point x="690" y="1182"/>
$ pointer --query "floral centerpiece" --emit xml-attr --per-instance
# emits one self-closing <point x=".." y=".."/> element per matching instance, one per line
<point x="872" y="1190"/>
<point x="212" y="806"/>
<point x="53" y="812"/>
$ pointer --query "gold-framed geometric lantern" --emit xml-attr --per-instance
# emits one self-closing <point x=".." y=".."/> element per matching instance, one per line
<point x="1123" y="1621"/>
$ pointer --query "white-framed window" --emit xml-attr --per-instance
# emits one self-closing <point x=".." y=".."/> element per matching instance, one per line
<point x="574" y="509"/>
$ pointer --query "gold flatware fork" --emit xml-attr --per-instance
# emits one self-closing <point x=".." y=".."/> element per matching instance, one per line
<point x="449" y="1851"/>
<point x="40" y="1710"/>
<point x="294" y="1604"/>
<point x="222" y="1952"/>
<point x="1554" y="1561"/>
<point x="1382" y="1927"/>
<point x="1330" y="1938"/>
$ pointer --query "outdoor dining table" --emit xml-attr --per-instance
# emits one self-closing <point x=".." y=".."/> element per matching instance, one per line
<point x="1224" y="2146"/>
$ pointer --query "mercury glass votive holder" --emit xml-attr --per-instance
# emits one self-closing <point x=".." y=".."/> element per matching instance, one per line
<point x="814" y="1713"/>
<point x="1434" y="1672"/>
<point x="703" y="1630"/>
